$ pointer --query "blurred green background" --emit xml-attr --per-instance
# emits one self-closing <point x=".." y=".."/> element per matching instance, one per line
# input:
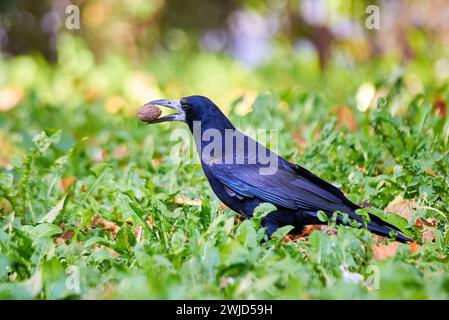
<point x="136" y="50"/>
<point x="88" y="194"/>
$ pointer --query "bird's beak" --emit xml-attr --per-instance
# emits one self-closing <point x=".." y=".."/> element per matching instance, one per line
<point x="172" y="104"/>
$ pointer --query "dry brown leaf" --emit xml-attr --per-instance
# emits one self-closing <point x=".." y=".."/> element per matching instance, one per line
<point x="385" y="251"/>
<point x="96" y="248"/>
<point x="67" y="235"/>
<point x="59" y="240"/>
<point x="388" y="170"/>
<point x="99" y="155"/>
<point x="431" y="222"/>
<point x="90" y="95"/>
<point x="300" y="141"/>
<point x="114" y="104"/>
<point x="308" y="231"/>
<point x="430" y="171"/>
<point x="440" y="106"/>
<point x="67" y="182"/>
<point x="405" y="208"/>
<point x="150" y="222"/>
<point x="138" y="233"/>
<point x="414" y="247"/>
<point x="328" y="230"/>
<point x="10" y="97"/>
<point x="156" y="162"/>
<point x="346" y="117"/>
<point x="428" y="235"/>
<point x="99" y="221"/>
<point x="190" y="202"/>
<point x="402" y="207"/>
<point x="120" y="152"/>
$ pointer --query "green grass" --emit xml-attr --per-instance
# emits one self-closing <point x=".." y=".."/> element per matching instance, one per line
<point x="52" y="237"/>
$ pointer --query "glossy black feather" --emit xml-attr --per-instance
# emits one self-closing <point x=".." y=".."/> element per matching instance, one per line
<point x="235" y="177"/>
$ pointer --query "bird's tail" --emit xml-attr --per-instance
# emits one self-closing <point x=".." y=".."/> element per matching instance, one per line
<point x="385" y="229"/>
<point x="376" y="224"/>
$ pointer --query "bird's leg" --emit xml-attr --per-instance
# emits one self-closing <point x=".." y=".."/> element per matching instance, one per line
<point x="271" y="225"/>
<point x="274" y="221"/>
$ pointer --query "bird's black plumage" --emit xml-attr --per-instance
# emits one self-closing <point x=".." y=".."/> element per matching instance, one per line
<point x="235" y="173"/>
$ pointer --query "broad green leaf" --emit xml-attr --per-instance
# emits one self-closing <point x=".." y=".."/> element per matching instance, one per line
<point x="53" y="213"/>
<point x="44" y="230"/>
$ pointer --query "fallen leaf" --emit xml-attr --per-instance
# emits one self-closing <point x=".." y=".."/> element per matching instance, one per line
<point x="67" y="235"/>
<point x="293" y="237"/>
<point x="307" y="231"/>
<point x="114" y="104"/>
<point x="67" y="182"/>
<point x="190" y="202"/>
<point x="428" y="235"/>
<point x="138" y="233"/>
<point x="10" y="97"/>
<point x="246" y="105"/>
<point x="440" y="106"/>
<point x="120" y="152"/>
<point x="99" y="221"/>
<point x="300" y="142"/>
<point x="156" y="162"/>
<point x="414" y="247"/>
<point x="402" y="207"/>
<point x="96" y="248"/>
<point x="430" y="171"/>
<point x="59" y="240"/>
<point x="405" y="208"/>
<point x="385" y="251"/>
<point x="346" y="117"/>
<point x="150" y="222"/>
<point x="91" y="95"/>
<point x="99" y="155"/>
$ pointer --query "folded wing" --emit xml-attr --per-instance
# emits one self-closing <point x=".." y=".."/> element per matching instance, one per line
<point x="290" y="187"/>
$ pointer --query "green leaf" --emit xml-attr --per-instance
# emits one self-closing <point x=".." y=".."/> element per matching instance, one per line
<point x="44" y="230"/>
<point x="93" y="240"/>
<point x="282" y="232"/>
<point x="53" y="213"/>
<point x="6" y="180"/>
<point x="44" y="141"/>
<point x="125" y="238"/>
<point x="261" y="211"/>
<point x="177" y="241"/>
<point x="322" y="216"/>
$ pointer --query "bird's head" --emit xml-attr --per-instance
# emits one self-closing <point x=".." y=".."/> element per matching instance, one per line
<point x="190" y="109"/>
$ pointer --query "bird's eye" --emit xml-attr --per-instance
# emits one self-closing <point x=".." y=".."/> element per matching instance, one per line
<point x="184" y="107"/>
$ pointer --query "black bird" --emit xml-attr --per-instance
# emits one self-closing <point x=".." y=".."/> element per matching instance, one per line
<point x="237" y="169"/>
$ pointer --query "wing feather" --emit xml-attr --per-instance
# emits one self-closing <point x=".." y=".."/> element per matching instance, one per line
<point x="286" y="188"/>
